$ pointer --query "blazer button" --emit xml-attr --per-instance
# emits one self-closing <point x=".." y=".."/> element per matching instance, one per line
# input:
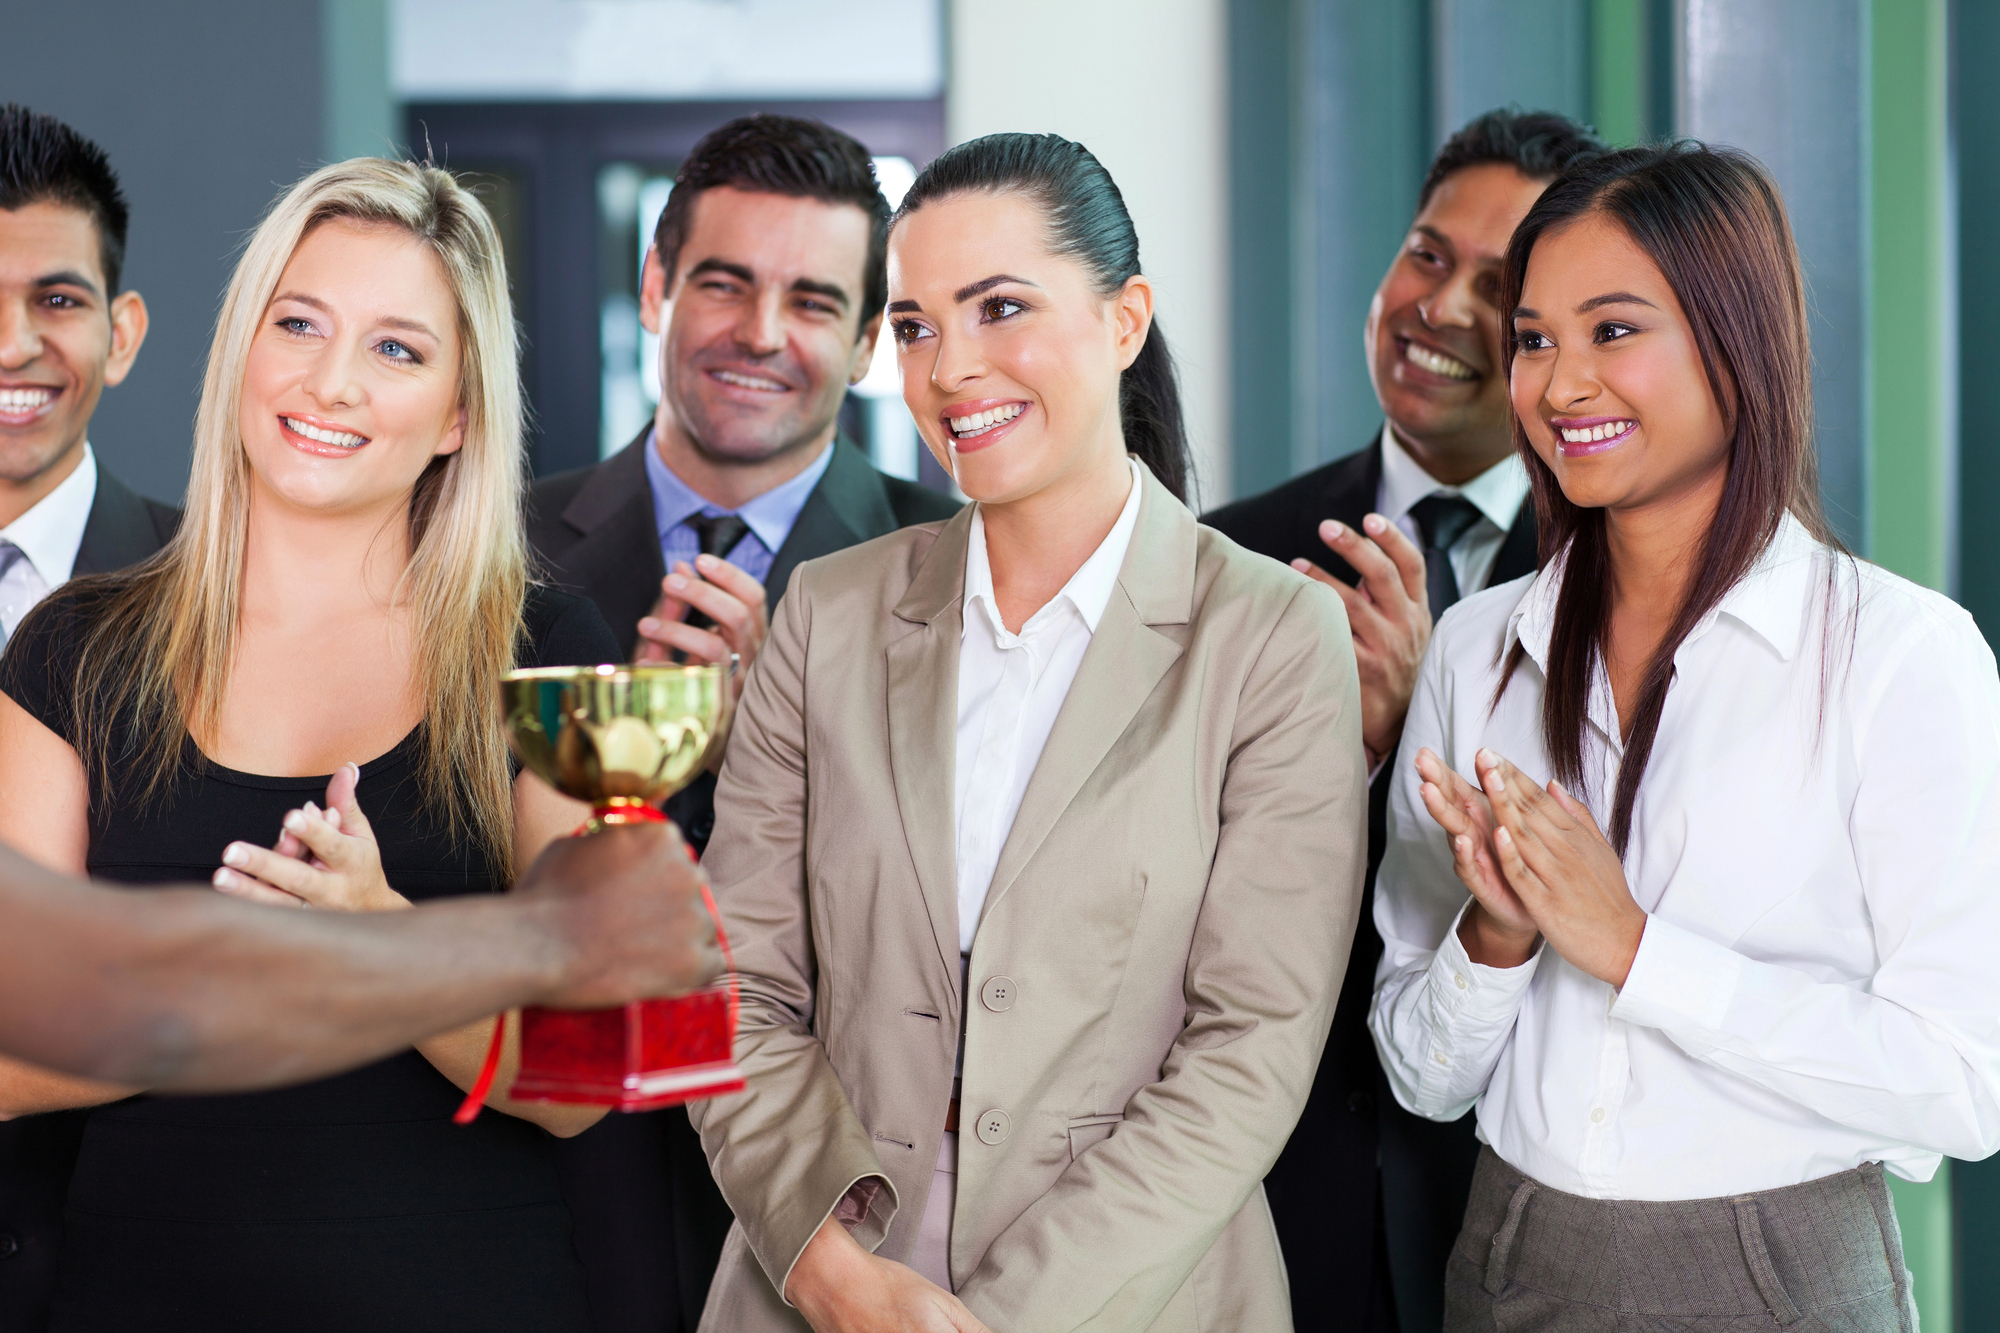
<point x="993" y="1126"/>
<point x="998" y="994"/>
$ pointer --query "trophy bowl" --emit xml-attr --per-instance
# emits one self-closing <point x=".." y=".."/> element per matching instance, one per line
<point x="622" y="738"/>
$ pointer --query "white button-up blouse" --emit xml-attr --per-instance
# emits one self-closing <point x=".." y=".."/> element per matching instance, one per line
<point x="1817" y="844"/>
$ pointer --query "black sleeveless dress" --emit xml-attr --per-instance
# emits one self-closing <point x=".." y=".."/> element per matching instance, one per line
<point x="349" y="1204"/>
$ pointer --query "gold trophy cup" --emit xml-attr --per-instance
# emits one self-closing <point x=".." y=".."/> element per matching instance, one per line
<point x="622" y="738"/>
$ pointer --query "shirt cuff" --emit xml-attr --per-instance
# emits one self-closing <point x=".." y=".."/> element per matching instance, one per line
<point x="1473" y="991"/>
<point x="1680" y="983"/>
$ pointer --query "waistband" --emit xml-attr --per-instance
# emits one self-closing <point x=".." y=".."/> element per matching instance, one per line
<point x="1781" y="1252"/>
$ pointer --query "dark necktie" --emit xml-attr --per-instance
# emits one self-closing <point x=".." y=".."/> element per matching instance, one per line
<point x="718" y="535"/>
<point x="10" y="555"/>
<point x="1441" y="520"/>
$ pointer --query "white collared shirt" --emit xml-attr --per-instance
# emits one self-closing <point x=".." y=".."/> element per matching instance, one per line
<point x="1821" y="870"/>
<point x="1497" y="493"/>
<point x="1010" y="688"/>
<point x="49" y="535"/>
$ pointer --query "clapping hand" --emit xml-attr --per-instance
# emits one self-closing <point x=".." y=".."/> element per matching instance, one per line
<point x="323" y="858"/>
<point x="733" y="601"/>
<point x="1390" y="614"/>
<point x="1537" y="865"/>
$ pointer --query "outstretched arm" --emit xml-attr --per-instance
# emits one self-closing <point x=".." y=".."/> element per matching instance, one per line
<point x="193" y="991"/>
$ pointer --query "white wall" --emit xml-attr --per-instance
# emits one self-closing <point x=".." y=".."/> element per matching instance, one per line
<point x="1141" y="83"/>
<point x="519" y="49"/>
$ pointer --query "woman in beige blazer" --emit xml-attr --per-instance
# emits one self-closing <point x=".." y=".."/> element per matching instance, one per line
<point x="1040" y="836"/>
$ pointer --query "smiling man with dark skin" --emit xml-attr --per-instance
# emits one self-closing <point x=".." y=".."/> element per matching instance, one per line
<point x="67" y="332"/>
<point x="1368" y="1198"/>
<point x="765" y="283"/>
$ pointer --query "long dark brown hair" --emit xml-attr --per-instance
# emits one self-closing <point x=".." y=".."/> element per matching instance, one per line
<point x="1713" y="221"/>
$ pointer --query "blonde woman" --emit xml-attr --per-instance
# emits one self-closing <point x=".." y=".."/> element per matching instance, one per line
<point x="347" y="588"/>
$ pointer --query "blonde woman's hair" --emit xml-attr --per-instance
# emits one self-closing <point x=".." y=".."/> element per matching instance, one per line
<point x="157" y="647"/>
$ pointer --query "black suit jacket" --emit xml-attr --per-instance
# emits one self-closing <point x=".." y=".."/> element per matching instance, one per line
<point x="38" y="1153"/>
<point x="1323" y="1190"/>
<point x="650" y="1222"/>
<point x="594" y="530"/>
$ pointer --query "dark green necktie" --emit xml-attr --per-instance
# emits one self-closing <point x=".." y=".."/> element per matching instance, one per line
<point x="1441" y="520"/>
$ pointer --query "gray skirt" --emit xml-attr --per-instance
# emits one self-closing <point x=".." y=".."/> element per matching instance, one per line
<point x="1825" y="1255"/>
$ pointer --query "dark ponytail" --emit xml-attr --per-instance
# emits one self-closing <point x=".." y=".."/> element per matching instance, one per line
<point x="1087" y="222"/>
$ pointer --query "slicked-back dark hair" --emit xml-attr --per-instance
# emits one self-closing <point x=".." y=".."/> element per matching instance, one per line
<point x="788" y="155"/>
<point x="1541" y="145"/>
<point x="43" y="161"/>
<point x="1087" y="222"/>
<point x="1713" y="222"/>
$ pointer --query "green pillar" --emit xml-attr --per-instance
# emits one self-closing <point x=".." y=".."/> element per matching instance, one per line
<point x="1912" y="385"/>
<point x="1912" y="426"/>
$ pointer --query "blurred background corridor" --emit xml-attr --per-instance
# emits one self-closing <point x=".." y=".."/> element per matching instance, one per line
<point x="1270" y="152"/>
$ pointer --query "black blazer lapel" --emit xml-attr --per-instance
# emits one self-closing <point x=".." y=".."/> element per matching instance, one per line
<point x="123" y="528"/>
<point x="1353" y="490"/>
<point x="616" y="561"/>
<point x="1518" y="554"/>
<point x="848" y="506"/>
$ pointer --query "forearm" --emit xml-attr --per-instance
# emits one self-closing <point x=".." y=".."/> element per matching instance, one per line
<point x="460" y="1054"/>
<point x="1865" y="1060"/>
<point x="1440" y="1022"/>
<point x="27" y="1089"/>
<point x="153" y="989"/>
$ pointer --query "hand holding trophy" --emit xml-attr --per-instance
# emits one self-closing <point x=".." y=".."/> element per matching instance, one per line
<point x="622" y="738"/>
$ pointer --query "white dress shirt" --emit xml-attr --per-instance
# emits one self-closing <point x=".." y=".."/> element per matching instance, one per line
<point x="1817" y="844"/>
<point x="1497" y="493"/>
<point x="1010" y="688"/>
<point x="48" y="535"/>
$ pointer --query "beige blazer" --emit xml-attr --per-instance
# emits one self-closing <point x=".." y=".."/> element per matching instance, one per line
<point x="1170" y="915"/>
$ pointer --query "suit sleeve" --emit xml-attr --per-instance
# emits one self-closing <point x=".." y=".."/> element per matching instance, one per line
<point x="1126" y="1224"/>
<point x="788" y="1150"/>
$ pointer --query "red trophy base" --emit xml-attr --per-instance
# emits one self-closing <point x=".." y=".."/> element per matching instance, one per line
<point x="639" y="1057"/>
<point x="650" y="1053"/>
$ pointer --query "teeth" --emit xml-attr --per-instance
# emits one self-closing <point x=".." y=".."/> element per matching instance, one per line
<point x="1437" y="363"/>
<point x="338" y="438"/>
<point x="980" y="421"/>
<point x="24" y="400"/>
<point x="749" y="381"/>
<point x="1610" y="430"/>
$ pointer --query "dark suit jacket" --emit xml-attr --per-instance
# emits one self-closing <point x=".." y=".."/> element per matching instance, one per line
<point x="649" y="1220"/>
<point x="1323" y="1190"/>
<point x="38" y="1153"/>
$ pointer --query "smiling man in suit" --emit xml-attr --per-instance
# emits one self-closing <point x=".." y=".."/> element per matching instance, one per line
<point x="765" y="282"/>
<point x="66" y="334"/>
<point x="1367" y="1197"/>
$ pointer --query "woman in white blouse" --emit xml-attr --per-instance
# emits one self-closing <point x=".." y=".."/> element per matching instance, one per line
<point x="1727" y="802"/>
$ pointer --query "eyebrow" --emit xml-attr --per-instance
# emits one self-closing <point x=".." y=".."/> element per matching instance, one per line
<point x="972" y="289"/>
<point x="1614" y="298"/>
<point x="67" y="277"/>
<point x="832" y="291"/>
<point x="740" y="272"/>
<point x="1609" y="298"/>
<point x="388" y="321"/>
